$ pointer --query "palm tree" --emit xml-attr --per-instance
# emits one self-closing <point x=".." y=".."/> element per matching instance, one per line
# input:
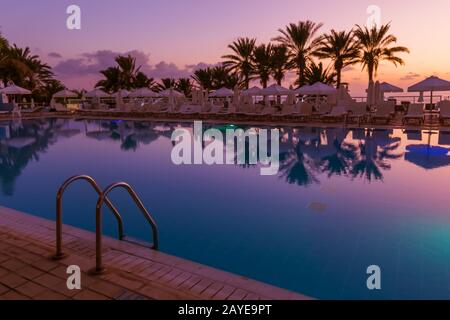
<point x="341" y="48"/>
<point x="122" y="76"/>
<point x="112" y="81"/>
<point x="376" y="46"/>
<point x="166" y="83"/>
<point x="317" y="73"/>
<point x="221" y="77"/>
<point x="184" y="85"/>
<point x="142" y="81"/>
<point x="215" y="78"/>
<point x="204" y="78"/>
<point x="302" y="43"/>
<point x="279" y="63"/>
<point x="240" y="62"/>
<point x="262" y="60"/>
<point x="128" y="71"/>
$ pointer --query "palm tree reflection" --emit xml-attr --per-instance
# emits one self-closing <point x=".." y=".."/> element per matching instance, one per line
<point x="309" y="152"/>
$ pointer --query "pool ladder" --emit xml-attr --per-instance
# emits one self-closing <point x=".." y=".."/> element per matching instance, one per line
<point x="102" y="199"/>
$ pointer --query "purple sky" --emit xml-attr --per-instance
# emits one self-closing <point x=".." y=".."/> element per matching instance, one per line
<point x="172" y="37"/>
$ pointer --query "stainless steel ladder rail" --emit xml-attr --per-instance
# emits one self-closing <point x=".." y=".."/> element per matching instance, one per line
<point x="59" y="251"/>
<point x="103" y="197"/>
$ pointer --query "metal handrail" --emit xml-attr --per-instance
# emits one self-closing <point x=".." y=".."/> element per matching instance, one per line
<point x="59" y="252"/>
<point x="98" y="218"/>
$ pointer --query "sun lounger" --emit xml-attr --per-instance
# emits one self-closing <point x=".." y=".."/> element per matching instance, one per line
<point x="268" y="111"/>
<point x="303" y="111"/>
<point x="286" y="111"/>
<point x="415" y="113"/>
<point x="58" y="107"/>
<point x="357" y="112"/>
<point x="323" y="109"/>
<point x="190" y="109"/>
<point x="383" y="113"/>
<point x="444" y="113"/>
<point x="34" y="110"/>
<point x="336" y="114"/>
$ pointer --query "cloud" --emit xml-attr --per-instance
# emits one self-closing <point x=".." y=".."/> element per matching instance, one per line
<point x="55" y="55"/>
<point x="410" y="76"/>
<point x="89" y="64"/>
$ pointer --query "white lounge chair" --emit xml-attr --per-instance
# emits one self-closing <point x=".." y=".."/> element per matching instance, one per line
<point x="444" y="111"/>
<point x="336" y="114"/>
<point x="357" y="112"/>
<point x="303" y="110"/>
<point x="415" y="113"/>
<point x="190" y="109"/>
<point x="383" y="113"/>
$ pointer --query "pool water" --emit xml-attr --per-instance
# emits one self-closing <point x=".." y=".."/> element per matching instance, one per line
<point x="343" y="200"/>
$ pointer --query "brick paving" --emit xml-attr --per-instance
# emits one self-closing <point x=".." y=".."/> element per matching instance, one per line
<point x="133" y="272"/>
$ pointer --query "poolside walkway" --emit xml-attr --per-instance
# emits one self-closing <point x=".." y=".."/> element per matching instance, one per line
<point x="134" y="272"/>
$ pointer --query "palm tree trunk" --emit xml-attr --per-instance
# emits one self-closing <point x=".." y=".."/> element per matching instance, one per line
<point x="338" y="78"/>
<point x="370" y="69"/>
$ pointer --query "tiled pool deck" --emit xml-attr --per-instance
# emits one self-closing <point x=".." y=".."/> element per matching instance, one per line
<point x="134" y="272"/>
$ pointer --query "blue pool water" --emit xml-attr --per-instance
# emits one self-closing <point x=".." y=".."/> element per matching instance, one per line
<point x="343" y="200"/>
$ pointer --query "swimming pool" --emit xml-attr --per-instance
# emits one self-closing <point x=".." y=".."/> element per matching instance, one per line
<point x="342" y="201"/>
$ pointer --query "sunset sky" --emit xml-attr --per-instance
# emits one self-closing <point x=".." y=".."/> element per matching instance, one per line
<point x="173" y="37"/>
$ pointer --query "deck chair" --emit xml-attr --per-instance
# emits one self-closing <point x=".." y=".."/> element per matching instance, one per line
<point x="383" y="113"/>
<point x="357" y="112"/>
<point x="415" y="113"/>
<point x="303" y="110"/>
<point x="337" y="114"/>
<point x="444" y="112"/>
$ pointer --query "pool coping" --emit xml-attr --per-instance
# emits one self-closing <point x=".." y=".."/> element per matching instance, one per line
<point x="396" y="124"/>
<point x="129" y="265"/>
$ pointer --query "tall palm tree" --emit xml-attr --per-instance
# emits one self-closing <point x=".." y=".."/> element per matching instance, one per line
<point x="128" y="71"/>
<point x="112" y="81"/>
<point x="342" y="48"/>
<point x="215" y="78"/>
<point x="279" y="62"/>
<point x="122" y="76"/>
<point x="221" y="77"/>
<point x="142" y="81"/>
<point x="184" y="85"/>
<point x="317" y="73"/>
<point x="302" y="43"/>
<point x="166" y="83"/>
<point x="240" y="61"/>
<point x="204" y="78"/>
<point x="262" y="59"/>
<point x="377" y="45"/>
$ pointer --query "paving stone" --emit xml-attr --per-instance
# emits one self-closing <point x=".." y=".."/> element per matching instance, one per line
<point x="12" y="280"/>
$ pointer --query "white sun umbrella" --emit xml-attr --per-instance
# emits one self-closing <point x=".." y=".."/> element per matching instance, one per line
<point x="389" y="88"/>
<point x="65" y="94"/>
<point x="252" y="92"/>
<point x="15" y="90"/>
<point x="432" y="84"/>
<point x="222" y="93"/>
<point x="123" y="93"/>
<point x="317" y="88"/>
<point x="275" y="90"/>
<point x="144" y="93"/>
<point x="97" y="93"/>
<point x="166" y="93"/>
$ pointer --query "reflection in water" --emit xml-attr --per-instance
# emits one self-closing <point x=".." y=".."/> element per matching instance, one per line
<point x="305" y="153"/>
